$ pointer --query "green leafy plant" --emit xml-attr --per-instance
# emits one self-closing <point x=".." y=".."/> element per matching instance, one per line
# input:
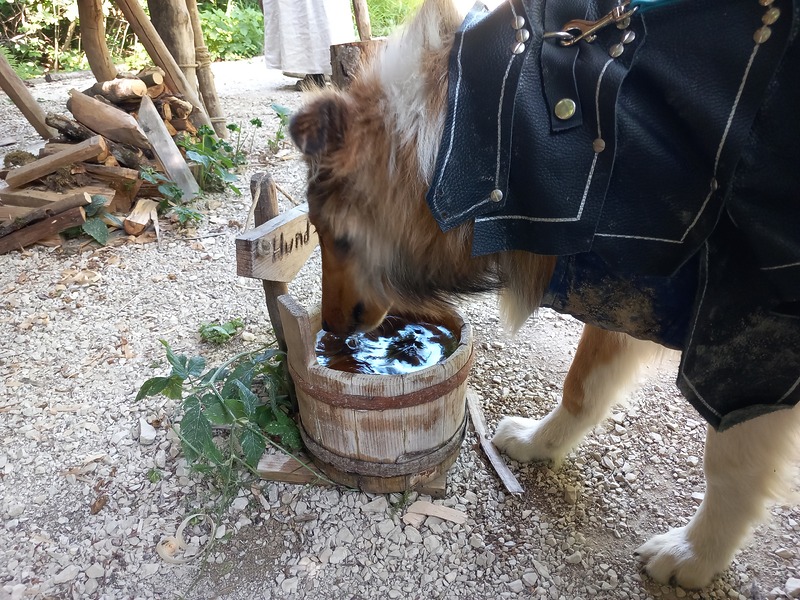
<point x="216" y="159"/>
<point x="172" y="203"/>
<point x="97" y="217"/>
<point x="247" y="395"/>
<point x="283" y="115"/>
<point x="219" y="333"/>
<point x="242" y="138"/>
<point x="386" y="15"/>
<point x="234" y="33"/>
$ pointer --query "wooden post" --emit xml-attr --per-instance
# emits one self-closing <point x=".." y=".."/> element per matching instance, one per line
<point x="205" y="78"/>
<point x="93" y="38"/>
<point x="346" y="60"/>
<point x="263" y="185"/>
<point x="363" y="25"/>
<point x="19" y="94"/>
<point x="155" y="47"/>
<point x="172" y="21"/>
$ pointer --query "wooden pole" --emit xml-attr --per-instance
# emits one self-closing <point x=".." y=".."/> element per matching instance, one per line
<point x="155" y="47"/>
<point x="363" y="24"/>
<point x="93" y="38"/>
<point x="19" y="94"/>
<point x="205" y="78"/>
<point x="262" y="188"/>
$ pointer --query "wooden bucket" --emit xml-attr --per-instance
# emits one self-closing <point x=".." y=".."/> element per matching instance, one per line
<point x="380" y="433"/>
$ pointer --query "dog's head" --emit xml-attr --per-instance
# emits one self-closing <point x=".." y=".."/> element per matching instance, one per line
<point x="371" y="152"/>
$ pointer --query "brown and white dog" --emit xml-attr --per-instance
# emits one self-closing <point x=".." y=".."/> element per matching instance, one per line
<point x="371" y="152"/>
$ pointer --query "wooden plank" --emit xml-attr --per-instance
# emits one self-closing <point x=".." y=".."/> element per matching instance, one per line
<point x="44" y="166"/>
<point x="30" y="198"/>
<point x="33" y="233"/>
<point x="507" y="477"/>
<point x="166" y="150"/>
<point x="8" y="212"/>
<point x="24" y="100"/>
<point x="107" y="120"/>
<point x="282" y="467"/>
<point x="279" y="248"/>
<point x="423" y="507"/>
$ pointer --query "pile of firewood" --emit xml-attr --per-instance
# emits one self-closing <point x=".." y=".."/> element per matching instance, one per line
<point x="118" y="128"/>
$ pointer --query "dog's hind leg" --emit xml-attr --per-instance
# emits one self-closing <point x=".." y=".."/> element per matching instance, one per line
<point x="745" y="467"/>
<point x="606" y="363"/>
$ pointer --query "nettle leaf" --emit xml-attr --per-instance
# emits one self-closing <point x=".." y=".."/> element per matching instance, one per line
<point x="197" y="157"/>
<point x="97" y="204"/>
<point x="216" y="410"/>
<point x="97" y="230"/>
<point x="152" y="387"/>
<point x="242" y="373"/>
<point x="196" y="431"/>
<point x="253" y="445"/>
<point x="179" y="362"/>
<point x="195" y="366"/>
<point x="236" y="407"/>
<point x="248" y="398"/>
<point x="284" y="428"/>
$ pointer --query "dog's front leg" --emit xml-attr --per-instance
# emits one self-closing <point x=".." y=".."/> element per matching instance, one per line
<point x="606" y="363"/>
<point x="745" y="466"/>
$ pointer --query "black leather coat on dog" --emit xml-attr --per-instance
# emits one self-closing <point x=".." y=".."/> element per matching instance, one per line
<point x="660" y="162"/>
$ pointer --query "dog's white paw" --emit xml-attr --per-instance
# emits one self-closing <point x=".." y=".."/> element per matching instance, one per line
<point x="525" y="440"/>
<point x="673" y="558"/>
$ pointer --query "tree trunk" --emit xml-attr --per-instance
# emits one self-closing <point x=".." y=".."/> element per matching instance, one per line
<point x="347" y="59"/>
<point x="173" y="23"/>
<point x="93" y="36"/>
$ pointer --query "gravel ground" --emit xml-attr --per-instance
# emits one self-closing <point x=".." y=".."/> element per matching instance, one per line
<point x="80" y="518"/>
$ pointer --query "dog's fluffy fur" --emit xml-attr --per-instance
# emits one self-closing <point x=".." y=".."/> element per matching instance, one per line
<point x="371" y="152"/>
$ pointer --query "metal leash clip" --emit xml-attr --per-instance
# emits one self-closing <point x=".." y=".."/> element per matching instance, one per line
<point x="578" y="29"/>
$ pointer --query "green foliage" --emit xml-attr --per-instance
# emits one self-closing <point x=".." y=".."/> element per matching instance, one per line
<point x="172" y="203"/>
<point x="283" y="115"/>
<point x="216" y="159"/>
<point x="154" y="475"/>
<point x="219" y="333"/>
<point x="238" y="33"/>
<point x="97" y="216"/>
<point x="386" y="15"/>
<point x="224" y="397"/>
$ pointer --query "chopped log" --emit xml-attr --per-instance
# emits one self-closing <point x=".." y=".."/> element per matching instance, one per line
<point x="154" y="91"/>
<point x="151" y="78"/>
<point x="180" y="108"/>
<point x="111" y="161"/>
<point x="42" y="229"/>
<point x="33" y="198"/>
<point x="93" y="39"/>
<point x="44" y="166"/>
<point x="174" y="77"/>
<point x="120" y="90"/>
<point x="361" y="12"/>
<point x="12" y="85"/>
<point x="127" y="156"/>
<point x="51" y="148"/>
<point x="170" y="128"/>
<point x="67" y="202"/>
<point x="146" y="210"/>
<point x="166" y="110"/>
<point x="125" y="183"/>
<point x="346" y="60"/>
<point x="166" y="150"/>
<point x="109" y="121"/>
<point x="182" y="125"/>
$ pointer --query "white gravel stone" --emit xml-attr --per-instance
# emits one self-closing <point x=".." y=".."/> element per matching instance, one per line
<point x="339" y="555"/>
<point x="792" y="587"/>
<point x="16" y="510"/>
<point x="67" y="574"/>
<point x="147" y="433"/>
<point x="95" y="571"/>
<point x="412" y="534"/>
<point x="574" y="558"/>
<point x="784" y="553"/>
<point x="378" y="505"/>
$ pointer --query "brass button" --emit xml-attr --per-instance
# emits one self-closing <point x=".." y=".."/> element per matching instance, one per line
<point x="523" y="35"/>
<point x="628" y="37"/>
<point x="518" y="22"/>
<point x="616" y="50"/>
<point x="762" y="34"/>
<point x="496" y="196"/>
<point x="599" y="145"/>
<point x="519" y="48"/>
<point x="771" y="16"/>
<point x="565" y="108"/>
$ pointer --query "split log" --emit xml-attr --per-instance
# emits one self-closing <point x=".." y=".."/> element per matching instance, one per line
<point x="146" y="210"/>
<point x="127" y="156"/>
<point x="33" y="198"/>
<point x="171" y="128"/>
<point x="109" y="121"/>
<point x="151" y="78"/>
<point x="66" y="203"/>
<point x="346" y="60"/>
<point x="182" y="125"/>
<point x="174" y="77"/>
<point x="8" y="212"/>
<point x="125" y="183"/>
<point x="119" y="90"/>
<point x="166" y="150"/>
<point x="13" y="86"/>
<point x="180" y="108"/>
<point x="154" y="91"/>
<point x="44" y="166"/>
<point x="93" y="39"/>
<point x="42" y="229"/>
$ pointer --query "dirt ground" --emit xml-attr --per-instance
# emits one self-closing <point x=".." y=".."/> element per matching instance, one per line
<point x="68" y="419"/>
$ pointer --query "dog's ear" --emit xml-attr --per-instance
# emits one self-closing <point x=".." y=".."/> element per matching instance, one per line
<point x="319" y="127"/>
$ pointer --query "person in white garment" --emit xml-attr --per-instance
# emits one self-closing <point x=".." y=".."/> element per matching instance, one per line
<point x="298" y="35"/>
